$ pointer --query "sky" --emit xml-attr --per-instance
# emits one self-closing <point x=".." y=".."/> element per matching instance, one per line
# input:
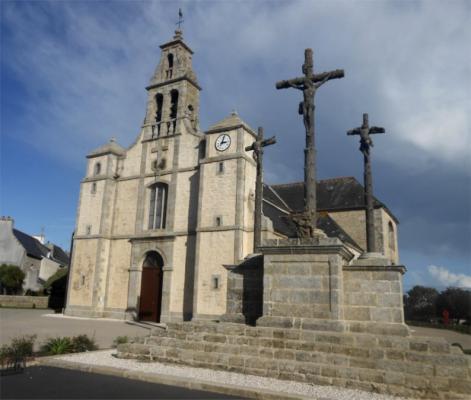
<point x="73" y="75"/>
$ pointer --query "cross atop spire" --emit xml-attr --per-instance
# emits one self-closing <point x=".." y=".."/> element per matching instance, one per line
<point x="180" y="19"/>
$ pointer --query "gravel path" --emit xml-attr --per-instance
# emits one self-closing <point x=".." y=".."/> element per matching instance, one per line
<point x="105" y="358"/>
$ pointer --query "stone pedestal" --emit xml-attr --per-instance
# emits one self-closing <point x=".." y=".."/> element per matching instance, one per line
<point x="373" y="296"/>
<point x="302" y="283"/>
<point x="244" y="290"/>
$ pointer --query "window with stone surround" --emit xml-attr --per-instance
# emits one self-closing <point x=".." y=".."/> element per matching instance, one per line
<point x="93" y="190"/>
<point x="220" y="167"/>
<point x="158" y="206"/>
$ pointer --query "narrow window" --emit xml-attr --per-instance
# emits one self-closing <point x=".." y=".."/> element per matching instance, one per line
<point x="215" y="281"/>
<point x="218" y="221"/>
<point x="391" y="237"/>
<point x="93" y="188"/>
<point x="88" y="229"/>
<point x="83" y="279"/>
<point x="221" y="167"/>
<point x="170" y="65"/>
<point x="159" y="99"/>
<point x="173" y="108"/>
<point x="97" y="169"/>
<point x="158" y="206"/>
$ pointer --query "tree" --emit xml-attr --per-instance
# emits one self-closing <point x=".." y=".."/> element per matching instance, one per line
<point x="11" y="278"/>
<point x="457" y="301"/>
<point x="419" y="303"/>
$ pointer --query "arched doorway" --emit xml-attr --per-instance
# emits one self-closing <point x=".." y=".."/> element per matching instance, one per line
<point x="151" y="287"/>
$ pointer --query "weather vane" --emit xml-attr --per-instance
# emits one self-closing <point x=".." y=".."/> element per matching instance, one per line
<point x="180" y="18"/>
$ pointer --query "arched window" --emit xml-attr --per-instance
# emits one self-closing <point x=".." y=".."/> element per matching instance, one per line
<point x="391" y="237"/>
<point x="159" y="99"/>
<point x="173" y="108"/>
<point x="158" y="206"/>
<point x="170" y="65"/>
<point x="173" y="103"/>
<point x="97" y="169"/>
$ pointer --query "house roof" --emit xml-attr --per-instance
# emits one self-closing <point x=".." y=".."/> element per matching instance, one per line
<point x="109" y="148"/>
<point x="230" y="122"/>
<point x="32" y="246"/>
<point x="60" y="255"/>
<point x="336" y="194"/>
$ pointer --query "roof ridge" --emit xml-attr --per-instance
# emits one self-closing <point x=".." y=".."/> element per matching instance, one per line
<point x="320" y="180"/>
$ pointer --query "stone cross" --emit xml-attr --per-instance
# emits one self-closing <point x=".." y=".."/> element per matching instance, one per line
<point x="309" y="83"/>
<point x="257" y="148"/>
<point x="365" y="143"/>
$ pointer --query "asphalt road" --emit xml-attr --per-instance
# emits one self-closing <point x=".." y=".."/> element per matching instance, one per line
<point x="45" y="324"/>
<point x="57" y="383"/>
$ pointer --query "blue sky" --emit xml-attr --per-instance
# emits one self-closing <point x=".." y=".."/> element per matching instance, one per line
<point x="73" y="75"/>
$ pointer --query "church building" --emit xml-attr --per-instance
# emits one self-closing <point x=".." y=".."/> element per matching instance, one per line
<point x="159" y="222"/>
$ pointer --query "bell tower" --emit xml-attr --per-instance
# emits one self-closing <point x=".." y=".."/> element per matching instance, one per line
<point x="173" y="92"/>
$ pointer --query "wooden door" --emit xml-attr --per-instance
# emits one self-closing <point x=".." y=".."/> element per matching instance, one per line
<point x="151" y="294"/>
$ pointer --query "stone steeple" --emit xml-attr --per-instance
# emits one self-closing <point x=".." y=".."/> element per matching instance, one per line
<point x="173" y="92"/>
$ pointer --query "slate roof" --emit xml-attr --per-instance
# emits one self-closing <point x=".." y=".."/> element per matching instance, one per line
<point x="336" y="194"/>
<point x="230" y="122"/>
<point x="60" y="255"/>
<point x="32" y="246"/>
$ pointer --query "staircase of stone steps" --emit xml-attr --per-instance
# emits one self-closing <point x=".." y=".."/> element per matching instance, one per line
<point x="405" y="366"/>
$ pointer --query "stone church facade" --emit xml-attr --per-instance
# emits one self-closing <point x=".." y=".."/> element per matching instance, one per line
<point x="159" y="222"/>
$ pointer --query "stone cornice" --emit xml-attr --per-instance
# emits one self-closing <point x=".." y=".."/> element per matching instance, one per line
<point x="170" y="81"/>
<point x="231" y="128"/>
<point x="306" y="246"/>
<point x="380" y="268"/>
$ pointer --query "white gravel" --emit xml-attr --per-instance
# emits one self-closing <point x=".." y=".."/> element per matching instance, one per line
<point x="105" y="358"/>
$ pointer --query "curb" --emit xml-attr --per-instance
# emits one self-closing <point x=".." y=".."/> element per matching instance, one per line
<point x="188" y="383"/>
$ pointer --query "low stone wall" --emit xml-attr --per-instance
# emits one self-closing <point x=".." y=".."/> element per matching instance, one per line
<point x="24" y="301"/>
<point x="414" y="367"/>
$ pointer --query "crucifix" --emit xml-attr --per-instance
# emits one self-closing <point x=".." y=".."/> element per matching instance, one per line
<point x="365" y="143"/>
<point x="257" y="148"/>
<point x="306" y="222"/>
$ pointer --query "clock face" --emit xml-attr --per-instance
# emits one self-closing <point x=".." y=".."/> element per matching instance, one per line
<point x="223" y="142"/>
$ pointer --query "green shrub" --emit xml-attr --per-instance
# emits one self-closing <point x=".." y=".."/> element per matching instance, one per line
<point x="120" y="340"/>
<point x="64" y="345"/>
<point x="19" y="349"/>
<point x="23" y="345"/>
<point x="82" y="343"/>
<point x="58" y="345"/>
<point x="11" y="278"/>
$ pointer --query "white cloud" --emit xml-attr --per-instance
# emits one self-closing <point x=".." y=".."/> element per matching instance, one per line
<point x="447" y="278"/>
<point x="405" y="64"/>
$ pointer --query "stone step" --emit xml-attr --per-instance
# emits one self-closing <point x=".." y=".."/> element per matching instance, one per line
<point x="387" y="378"/>
<point x="415" y="367"/>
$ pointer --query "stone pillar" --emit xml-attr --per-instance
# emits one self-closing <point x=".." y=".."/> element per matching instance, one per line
<point x="235" y="287"/>
<point x="166" y="287"/>
<point x="132" y="310"/>
<point x="302" y="284"/>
